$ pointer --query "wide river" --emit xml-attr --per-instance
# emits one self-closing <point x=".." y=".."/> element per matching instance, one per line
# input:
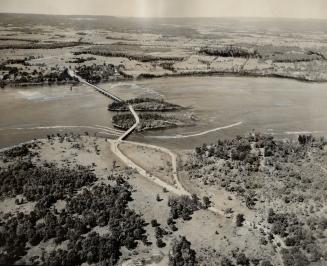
<point x="225" y="107"/>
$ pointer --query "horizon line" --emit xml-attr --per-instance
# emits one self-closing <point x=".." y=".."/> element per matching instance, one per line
<point x="163" y="17"/>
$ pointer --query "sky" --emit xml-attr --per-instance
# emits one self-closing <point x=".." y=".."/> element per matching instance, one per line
<point x="316" y="9"/>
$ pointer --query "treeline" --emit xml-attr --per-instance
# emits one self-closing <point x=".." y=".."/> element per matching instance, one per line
<point x="22" y="61"/>
<point x="261" y="52"/>
<point x="36" y="45"/>
<point x="16" y="76"/>
<point x="296" y="57"/>
<point x="108" y="52"/>
<point x="229" y="51"/>
<point x="79" y="60"/>
<point x="144" y="104"/>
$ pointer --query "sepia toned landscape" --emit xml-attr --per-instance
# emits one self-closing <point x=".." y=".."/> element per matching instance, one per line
<point x="162" y="141"/>
<point x="109" y="49"/>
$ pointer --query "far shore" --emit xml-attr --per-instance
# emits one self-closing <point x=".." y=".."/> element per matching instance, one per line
<point x="175" y="75"/>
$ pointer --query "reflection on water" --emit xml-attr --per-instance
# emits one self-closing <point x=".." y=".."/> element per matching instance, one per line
<point x="277" y="106"/>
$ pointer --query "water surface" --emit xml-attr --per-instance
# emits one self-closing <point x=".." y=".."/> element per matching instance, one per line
<point x="277" y="106"/>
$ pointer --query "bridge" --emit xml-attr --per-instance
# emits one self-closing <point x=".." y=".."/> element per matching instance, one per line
<point x="102" y="91"/>
<point x="131" y="129"/>
<point x="113" y="97"/>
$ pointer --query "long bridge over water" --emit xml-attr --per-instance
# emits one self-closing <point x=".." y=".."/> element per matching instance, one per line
<point x="113" y="97"/>
<point x="102" y="91"/>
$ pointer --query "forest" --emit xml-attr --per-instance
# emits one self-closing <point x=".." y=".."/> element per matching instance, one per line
<point x="86" y="206"/>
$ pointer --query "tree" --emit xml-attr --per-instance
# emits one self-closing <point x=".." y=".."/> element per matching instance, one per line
<point x="226" y="262"/>
<point x="250" y="201"/>
<point x="154" y="223"/>
<point x="170" y="221"/>
<point x="158" y="198"/>
<point x="241" y="259"/>
<point x="266" y="263"/>
<point x="206" y="202"/>
<point x="173" y="227"/>
<point x="160" y="243"/>
<point x="198" y="150"/>
<point x="181" y="253"/>
<point x="239" y="219"/>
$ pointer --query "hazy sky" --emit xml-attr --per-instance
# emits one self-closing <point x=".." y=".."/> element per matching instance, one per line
<point x="172" y="8"/>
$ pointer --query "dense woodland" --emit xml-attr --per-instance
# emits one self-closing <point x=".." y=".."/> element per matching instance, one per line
<point x="96" y="73"/>
<point x="261" y="168"/>
<point x="86" y="207"/>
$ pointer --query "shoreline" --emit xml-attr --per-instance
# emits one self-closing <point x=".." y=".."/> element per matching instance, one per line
<point x="173" y="75"/>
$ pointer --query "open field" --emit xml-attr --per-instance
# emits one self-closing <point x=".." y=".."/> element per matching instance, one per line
<point x="155" y="162"/>
<point x="112" y="49"/>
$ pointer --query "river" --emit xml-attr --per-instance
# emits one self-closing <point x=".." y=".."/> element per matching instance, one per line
<point x="224" y="106"/>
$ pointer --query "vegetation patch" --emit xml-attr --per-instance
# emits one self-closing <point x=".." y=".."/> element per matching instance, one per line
<point x="36" y="183"/>
<point x="79" y="60"/>
<point x="96" y="73"/>
<point x="262" y="171"/>
<point x="182" y="253"/>
<point x="19" y="151"/>
<point x="37" y="45"/>
<point x="184" y="206"/>
<point x="229" y="51"/>
<point x="144" y="104"/>
<point x="150" y="121"/>
<point x="68" y="232"/>
<point x="112" y="51"/>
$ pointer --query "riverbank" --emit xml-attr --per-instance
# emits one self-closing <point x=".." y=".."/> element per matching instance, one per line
<point x="173" y="75"/>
